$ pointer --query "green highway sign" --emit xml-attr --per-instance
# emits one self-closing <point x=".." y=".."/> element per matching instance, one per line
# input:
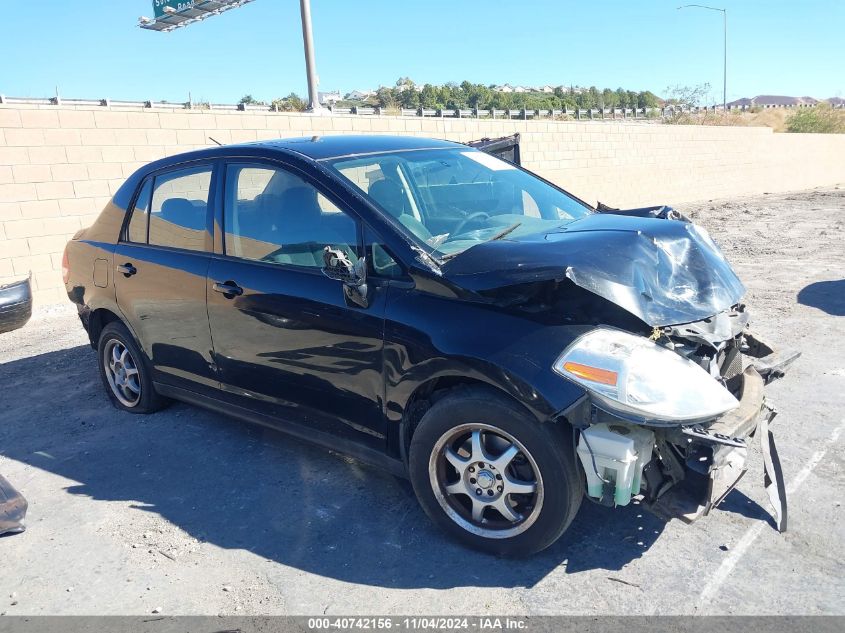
<point x="159" y="6"/>
<point x="174" y="14"/>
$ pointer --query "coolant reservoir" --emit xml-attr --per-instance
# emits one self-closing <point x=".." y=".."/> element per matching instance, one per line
<point x="620" y="452"/>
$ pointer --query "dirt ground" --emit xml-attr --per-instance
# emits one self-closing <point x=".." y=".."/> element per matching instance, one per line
<point x="188" y="512"/>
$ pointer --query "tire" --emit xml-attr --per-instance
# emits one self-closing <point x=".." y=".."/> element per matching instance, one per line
<point x="513" y="447"/>
<point x="125" y="372"/>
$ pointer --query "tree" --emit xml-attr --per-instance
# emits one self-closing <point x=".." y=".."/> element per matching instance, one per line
<point x="569" y="101"/>
<point x="647" y="99"/>
<point x="474" y="95"/>
<point x="455" y="95"/>
<point x="444" y="96"/>
<point x="248" y="100"/>
<point x="503" y="100"/>
<point x="590" y="98"/>
<point x="451" y="95"/>
<point x="428" y="96"/>
<point x="687" y="95"/>
<point x="622" y="98"/>
<point x="408" y="97"/>
<point x="292" y="103"/>
<point x="387" y="97"/>
<point x="404" y="83"/>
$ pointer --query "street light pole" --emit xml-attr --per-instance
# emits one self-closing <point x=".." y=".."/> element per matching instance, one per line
<point x="310" y="65"/>
<point x="725" y="54"/>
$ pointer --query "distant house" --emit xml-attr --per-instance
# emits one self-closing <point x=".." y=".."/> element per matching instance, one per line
<point x="503" y="88"/>
<point x="520" y="89"/>
<point x="410" y="86"/>
<point x="547" y="89"/>
<point x="329" y="98"/>
<point x="570" y="89"/>
<point x="836" y="102"/>
<point x="359" y="95"/>
<point x="745" y="102"/>
<point x="773" y="101"/>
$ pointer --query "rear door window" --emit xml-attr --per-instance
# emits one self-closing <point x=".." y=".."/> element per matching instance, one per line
<point x="179" y="208"/>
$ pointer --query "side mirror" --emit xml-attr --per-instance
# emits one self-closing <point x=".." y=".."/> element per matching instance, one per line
<point x="337" y="265"/>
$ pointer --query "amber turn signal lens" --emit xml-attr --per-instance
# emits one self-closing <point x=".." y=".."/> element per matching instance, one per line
<point x="595" y="374"/>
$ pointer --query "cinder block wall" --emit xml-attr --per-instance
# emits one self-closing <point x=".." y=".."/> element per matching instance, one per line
<point x="59" y="165"/>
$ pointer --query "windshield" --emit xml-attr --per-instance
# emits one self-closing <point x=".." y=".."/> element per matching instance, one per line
<point x="450" y="200"/>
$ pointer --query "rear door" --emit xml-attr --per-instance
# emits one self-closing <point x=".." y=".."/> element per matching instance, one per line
<point x="160" y="278"/>
<point x="286" y="340"/>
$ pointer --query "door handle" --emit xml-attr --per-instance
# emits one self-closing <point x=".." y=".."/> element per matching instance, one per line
<point x="228" y="288"/>
<point x="127" y="269"/>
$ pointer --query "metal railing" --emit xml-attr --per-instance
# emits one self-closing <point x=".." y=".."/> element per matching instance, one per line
<point x="591" y="114"/>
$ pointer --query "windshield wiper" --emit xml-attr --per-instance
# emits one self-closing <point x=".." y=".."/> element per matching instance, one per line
<point x="498" y="236"/>
<point x="506" y="231"/>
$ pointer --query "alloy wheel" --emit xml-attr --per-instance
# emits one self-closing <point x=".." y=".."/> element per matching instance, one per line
<point x="486" y="481"/>
<point x="122" y="373"/>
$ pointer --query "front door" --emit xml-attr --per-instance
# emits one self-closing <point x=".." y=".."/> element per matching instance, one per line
<point x="286" y="341"/>
<point x="160" y="278"/>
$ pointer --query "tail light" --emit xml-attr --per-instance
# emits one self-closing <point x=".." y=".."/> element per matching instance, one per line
<point x="65" y="267"/>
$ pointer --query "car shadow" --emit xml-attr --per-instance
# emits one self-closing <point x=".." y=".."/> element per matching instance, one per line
<point x="738" y="503"/>
<point x="239" y="486"/>
<point x="828" y="296"/>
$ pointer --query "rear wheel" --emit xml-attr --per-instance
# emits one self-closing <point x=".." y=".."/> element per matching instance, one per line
<point x="124" y="372"/>
<point x="491" y="476"/>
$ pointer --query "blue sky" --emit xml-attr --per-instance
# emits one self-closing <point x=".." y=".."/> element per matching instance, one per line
<point x="93" y="48"/>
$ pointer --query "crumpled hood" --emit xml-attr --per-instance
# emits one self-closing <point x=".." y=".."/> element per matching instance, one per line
<point x="665" y="272"/>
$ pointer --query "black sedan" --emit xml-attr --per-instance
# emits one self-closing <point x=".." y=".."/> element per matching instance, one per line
<point x="438" y="311"/>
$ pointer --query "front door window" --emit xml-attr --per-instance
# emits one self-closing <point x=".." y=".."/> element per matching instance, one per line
<point x="274" y="216"/>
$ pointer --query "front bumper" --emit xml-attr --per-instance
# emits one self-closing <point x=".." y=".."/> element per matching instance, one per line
<point x="701" y="464"/>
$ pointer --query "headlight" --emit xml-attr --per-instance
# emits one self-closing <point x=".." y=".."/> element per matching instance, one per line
<point x="634" y="376"/>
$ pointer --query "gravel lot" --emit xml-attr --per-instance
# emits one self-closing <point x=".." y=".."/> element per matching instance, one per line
<point x="189" y="512"/>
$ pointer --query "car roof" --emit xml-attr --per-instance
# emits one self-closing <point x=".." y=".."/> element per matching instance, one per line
<point x="322" y="147"/>
<point x="313" y="147"/>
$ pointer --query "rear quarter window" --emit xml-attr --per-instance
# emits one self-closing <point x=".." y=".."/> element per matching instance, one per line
<point x="137" y="229"/>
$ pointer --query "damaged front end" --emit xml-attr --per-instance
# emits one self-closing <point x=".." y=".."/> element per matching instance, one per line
<point x="681" y="462"/>
<point x="673" y="375"/>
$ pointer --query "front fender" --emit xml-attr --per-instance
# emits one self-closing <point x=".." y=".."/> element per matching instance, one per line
<point x="429" y="337"/>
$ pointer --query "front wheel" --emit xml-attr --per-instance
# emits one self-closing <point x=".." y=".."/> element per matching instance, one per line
<point x="492" y="476"/>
